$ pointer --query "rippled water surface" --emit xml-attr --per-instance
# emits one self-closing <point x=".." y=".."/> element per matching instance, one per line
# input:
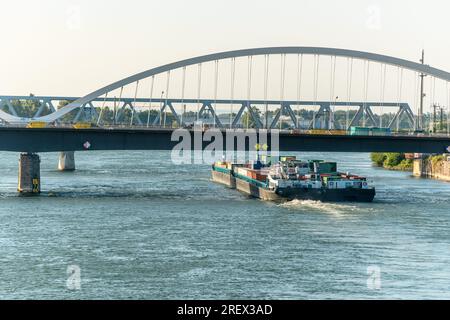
<point x="139" y="227"/>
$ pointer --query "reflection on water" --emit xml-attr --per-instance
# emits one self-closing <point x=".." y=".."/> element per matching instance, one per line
<point x="140" y="227"/>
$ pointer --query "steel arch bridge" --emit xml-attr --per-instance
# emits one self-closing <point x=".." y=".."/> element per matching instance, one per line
<point x="285" y="106"/>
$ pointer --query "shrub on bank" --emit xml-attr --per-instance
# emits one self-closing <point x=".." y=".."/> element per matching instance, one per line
<point x="435" y="159"/>
<point x="392" y="160"/>
<point x="378" y="158"/>
<point x="405" y="165"/>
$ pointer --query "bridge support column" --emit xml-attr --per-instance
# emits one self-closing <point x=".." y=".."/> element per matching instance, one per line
<point x="29" y="174"/>
<point x="66" y="161"/>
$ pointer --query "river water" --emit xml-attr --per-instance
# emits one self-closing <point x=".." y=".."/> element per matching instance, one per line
<point x="135" y="226"/>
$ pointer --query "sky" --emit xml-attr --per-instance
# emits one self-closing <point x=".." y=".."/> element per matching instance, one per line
<point x="70" y="48"/>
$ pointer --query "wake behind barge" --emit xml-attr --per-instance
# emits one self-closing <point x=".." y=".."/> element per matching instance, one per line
<point x="290" y="179"/>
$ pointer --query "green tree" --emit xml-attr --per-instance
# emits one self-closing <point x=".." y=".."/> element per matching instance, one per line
<point x="393" y="159"/>
<point x="28" y="108"/>
<point x="378" y="158"/>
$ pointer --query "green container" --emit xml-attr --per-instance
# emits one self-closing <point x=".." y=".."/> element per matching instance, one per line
<point x="325" y="167"/>
<point x="359" y="131"/>
<point x="381" y="131"/>
<point x="311" y="164"/>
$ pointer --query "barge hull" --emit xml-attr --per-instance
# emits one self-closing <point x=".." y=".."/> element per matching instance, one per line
<point x="324" y="195"/>
<point x="330" y="195"/>
<point x="226" y="179"/>
<point x="256" y="192"/>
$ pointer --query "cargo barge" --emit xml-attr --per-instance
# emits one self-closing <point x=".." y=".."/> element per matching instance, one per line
<point x="289" y="179"/>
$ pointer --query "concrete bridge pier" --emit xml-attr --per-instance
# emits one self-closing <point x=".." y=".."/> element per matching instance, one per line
<point x="66" y="161"/>
<point x="29" y="174"/>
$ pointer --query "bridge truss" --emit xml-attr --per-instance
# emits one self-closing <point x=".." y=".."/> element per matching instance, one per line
<point x="87" y="106"/>
<point x="322" y="110"/>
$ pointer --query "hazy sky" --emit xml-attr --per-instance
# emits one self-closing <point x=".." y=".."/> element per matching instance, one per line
<point x="61" y="47"/>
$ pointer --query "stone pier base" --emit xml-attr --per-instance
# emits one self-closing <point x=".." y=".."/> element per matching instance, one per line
<point x="66" y="161"/>
<point x="418" y="168"/>
<point x="29" y="174"/>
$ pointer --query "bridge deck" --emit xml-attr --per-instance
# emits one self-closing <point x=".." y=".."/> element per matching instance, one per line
<point x="22" y="139"/>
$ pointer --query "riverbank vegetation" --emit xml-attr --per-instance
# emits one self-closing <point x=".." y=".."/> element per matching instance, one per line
<point x="392" y="161"/>
<point x="435" y="159"/>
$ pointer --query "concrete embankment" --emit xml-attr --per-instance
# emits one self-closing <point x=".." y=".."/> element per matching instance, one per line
<point x="425" y="166"/>
<point x="436" y="167"/>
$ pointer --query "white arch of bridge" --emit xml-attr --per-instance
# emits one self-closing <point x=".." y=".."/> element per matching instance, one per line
<point x="320" y="51"/>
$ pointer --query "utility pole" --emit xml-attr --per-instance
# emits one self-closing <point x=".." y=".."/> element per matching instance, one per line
<point x="422" y="95"/>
